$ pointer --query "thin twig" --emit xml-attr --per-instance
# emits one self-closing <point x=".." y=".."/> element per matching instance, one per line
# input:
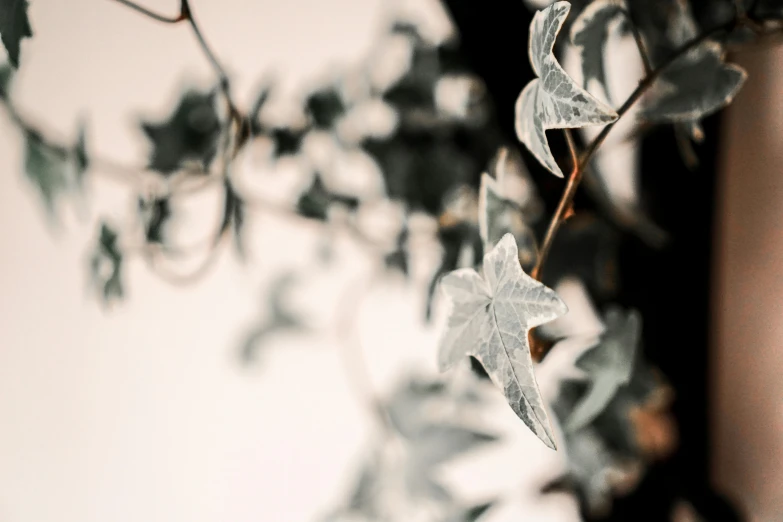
<point x="575" y="178"/>
<point x="571" y="148"/>
<point x="150" y="14"/>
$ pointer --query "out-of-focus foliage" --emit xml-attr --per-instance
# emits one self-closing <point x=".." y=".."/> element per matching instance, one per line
<point x="14" y="25"/>
<point x="428" y="126"/>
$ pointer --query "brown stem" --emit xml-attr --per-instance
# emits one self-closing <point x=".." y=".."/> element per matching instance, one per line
<point x="566" y="200"/>
<point x="150" y="14"/>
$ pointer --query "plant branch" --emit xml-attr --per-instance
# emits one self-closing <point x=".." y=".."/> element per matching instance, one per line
<point x="575" y="178"/>
<point x="151" y="14"/>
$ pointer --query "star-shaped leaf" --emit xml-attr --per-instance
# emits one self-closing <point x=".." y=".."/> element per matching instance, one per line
<point x="694" y="86"/>
<point x="14" y="25"/>
<point x="190" y="134"/>
<point x="590" y="31"/>
<point x="489" y="320"/>
<point x="610" y="365"/>
<point x="553" y="100"/>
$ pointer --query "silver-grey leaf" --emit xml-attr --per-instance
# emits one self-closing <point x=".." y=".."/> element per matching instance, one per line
<point x="694" y="86"/>
<point x="590" y="32"/>
<point x="553" y="100"/>
<point x="490" y="319"/>
<point x="609" y="364"/>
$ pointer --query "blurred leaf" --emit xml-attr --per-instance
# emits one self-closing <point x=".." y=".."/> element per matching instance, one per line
<point x="155" y="215"/>
<point x="287" y="140"/>
<point x="190" y="133"/>
<point x="694" y="86"/>
<point x="314" y="203"/>
<point x="6" y="76"/>
<point x="498" y="216"/>
<point x="325" y="107"/>
<point x="553" y="100"/>
<point x="490" y="318"/>
<point x="46" y="167"/>
<point x="280" y="318"/>
<point x="233" y="217"/>
<point x="470" y="514"/>
<point x="81" y="158"/>
<point x="590" y="32"/>
<point x="14" y="25"/>
<point x="106" y="265"/>
<point x="398" y="258"/>
<point x="609" y="365"/>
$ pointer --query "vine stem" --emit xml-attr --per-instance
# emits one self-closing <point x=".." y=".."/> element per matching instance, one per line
<point x="577" y="173"/>
<point x="186" y="15"/>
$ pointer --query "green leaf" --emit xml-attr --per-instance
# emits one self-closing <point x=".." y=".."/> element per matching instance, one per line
<point x="46" y="167"/>
<point x="14" y="25"/>
<point x="590" y="32"/>
<point x="189" y="134"/>
<point x="553" y="100"/>
<point x="106" y="265"/>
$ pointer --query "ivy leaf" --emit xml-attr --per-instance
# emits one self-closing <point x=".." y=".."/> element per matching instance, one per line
<point x="610" y="365"/>
<point x="46" y="166"/>
<point x="590" y="31"/>
<point x="14" y="25"/>
<point x="190" y="133"/>
<point x="106" y="265"/>
<point x="498" y="216"/>
<point x="489" y="320"/>
<point x="553" y="100"/>
<point x="694" y="86"/>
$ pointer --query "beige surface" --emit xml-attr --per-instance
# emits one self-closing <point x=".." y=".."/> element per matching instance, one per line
<point x="748" y="417"/>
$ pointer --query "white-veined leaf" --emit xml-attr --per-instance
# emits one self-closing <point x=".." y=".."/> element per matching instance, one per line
<point x="490" y="319"/>
<point x="553" y="100"/>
